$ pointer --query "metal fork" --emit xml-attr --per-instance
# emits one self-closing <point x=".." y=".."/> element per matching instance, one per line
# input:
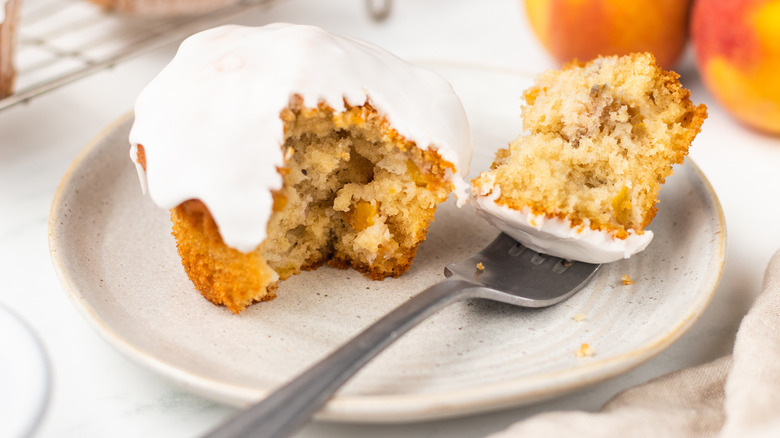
<point x="504" y="271"/>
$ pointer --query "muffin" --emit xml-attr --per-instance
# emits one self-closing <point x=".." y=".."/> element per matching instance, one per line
<point x="9" y="19"/>
<point x="283" y="147"/>
<point x="159" y="8"/>
<point x="601" y="138"/>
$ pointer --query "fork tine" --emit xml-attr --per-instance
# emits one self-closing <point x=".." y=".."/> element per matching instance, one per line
<point x="520" y="275"/>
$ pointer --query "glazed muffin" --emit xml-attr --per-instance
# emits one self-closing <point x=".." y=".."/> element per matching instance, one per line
<point x="284" y="147"/>
<point x="601" y="139"/>
<point x="9" y="19"/>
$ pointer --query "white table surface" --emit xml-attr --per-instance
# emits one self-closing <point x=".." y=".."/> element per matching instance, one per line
<point x="97" y="392"/>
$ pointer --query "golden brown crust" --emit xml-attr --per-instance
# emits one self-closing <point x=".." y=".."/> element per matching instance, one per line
<point x="404" y="262"/>
<point x="140" y="156"/>
<point x="222" y="274"/>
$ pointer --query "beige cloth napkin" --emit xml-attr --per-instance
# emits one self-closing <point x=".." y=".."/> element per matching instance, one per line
<point x="735" y="396"/>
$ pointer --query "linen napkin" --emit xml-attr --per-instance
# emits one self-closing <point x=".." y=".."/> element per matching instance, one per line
<point x="734" y="396"/>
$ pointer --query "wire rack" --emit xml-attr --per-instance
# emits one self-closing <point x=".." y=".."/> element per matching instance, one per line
<point x="61" y="41"/>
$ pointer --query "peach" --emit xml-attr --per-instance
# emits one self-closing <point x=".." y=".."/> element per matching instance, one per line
<point x="737" y="47"/>
<point x="584" y="29"/>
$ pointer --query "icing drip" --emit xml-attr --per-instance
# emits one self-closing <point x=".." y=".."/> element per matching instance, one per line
<point x="558" y="237"/>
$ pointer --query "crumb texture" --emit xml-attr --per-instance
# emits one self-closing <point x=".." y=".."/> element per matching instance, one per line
<point x="355" y="194"/>
<point x="601" y="139"/>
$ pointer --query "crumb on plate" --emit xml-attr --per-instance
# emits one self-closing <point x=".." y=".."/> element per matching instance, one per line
<point x="585" y="350"/>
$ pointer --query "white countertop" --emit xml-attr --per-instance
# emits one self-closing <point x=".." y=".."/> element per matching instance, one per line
<point x="97" y="392"/>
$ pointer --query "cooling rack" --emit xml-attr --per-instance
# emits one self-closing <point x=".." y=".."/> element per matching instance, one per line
<point x="61" y="41"/>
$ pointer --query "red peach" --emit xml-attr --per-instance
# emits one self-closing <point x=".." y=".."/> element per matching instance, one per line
<point x="585" y="29"/>
<point x="737" y="46"/>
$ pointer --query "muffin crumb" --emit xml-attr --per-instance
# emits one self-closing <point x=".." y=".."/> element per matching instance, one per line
<point x="585" y="350"/>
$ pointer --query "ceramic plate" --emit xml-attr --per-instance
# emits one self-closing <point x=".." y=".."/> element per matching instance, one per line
<point x="117" y="260"/>
<point x="24" y="377"/>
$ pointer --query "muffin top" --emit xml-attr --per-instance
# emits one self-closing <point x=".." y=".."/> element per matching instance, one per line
<point x="210" y="124"/>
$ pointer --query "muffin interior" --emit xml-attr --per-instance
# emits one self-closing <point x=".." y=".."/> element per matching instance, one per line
<point x="601" y="139"/>
<point x="355" y="194"/>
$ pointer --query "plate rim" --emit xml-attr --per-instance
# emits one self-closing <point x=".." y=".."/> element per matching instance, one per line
<point x="403" y="407"/>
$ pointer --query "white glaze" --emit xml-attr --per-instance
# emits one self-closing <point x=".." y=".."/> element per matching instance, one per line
<point x="209" y="122"/>
<point x="557" y="236"/>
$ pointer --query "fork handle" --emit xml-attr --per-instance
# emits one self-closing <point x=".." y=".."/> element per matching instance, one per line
<point x="285" y="410"/>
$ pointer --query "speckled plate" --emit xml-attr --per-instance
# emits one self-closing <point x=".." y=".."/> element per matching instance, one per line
<point x="117" y="260"/>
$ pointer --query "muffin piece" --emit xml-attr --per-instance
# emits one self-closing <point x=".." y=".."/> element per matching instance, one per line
<point x="9" y="19"/>
<point x="602" y="137"/>
<point x="160" y="8"/>
<point x="284" y="147"/>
